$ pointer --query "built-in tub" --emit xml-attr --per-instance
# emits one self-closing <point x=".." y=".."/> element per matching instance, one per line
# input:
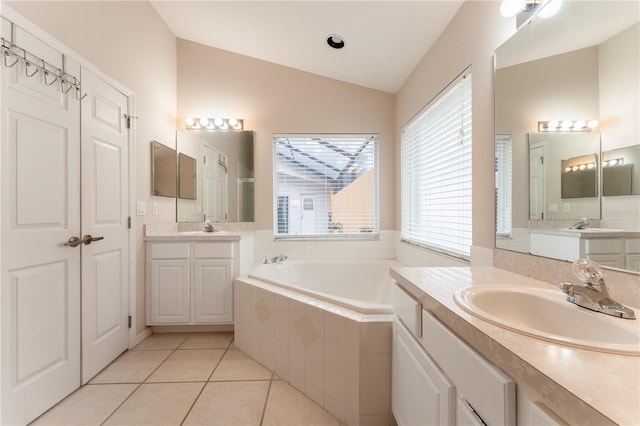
<point x="324" y="327"/>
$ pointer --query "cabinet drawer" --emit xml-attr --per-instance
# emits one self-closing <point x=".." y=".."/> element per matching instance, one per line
<point x="213" y="250"/>
<point x="407" y="309"/>
<point x="491" y="393"/>
<point x="169" y="250"/>
<point x="604" y="246"/>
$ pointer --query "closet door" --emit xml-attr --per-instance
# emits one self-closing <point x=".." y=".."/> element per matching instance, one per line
<point x="40" y="276"/>
<point x="105" y="199"/>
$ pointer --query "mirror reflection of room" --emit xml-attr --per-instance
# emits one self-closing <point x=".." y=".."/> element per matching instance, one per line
<point x="223" y="184"/>
<point x="579" y="67"/>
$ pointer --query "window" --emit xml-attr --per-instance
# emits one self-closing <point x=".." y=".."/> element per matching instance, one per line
<point x="436" y="172"/>
<point x="503" y="186"/>
<point x="325" y="186"/>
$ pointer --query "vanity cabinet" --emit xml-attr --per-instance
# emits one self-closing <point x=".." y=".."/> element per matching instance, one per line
<point x="438" y="379"/>
<point x="190" y="282"/>
<point x="617" y="249"/>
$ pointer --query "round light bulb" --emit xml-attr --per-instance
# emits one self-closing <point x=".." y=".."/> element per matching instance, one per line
<point x="567" y="169"/>
<point x="566" y="124"/>
<point x="580" y="124"/>
<point x="204" y="121"/>
<point x="551" y="8"/>
<point x="232" y="122"/>
<point x="553" y="124"/>
<point x="189" y="121"/>
<point x="582" y="166"/>
<point x="592" y="124"/>
<point x="574" y="169"/>
<point x="591" y="166"/>
<point x="218" y="121"/>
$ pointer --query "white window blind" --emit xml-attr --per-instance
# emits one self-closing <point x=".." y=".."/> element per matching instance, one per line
<point x="436" y="172"/>
<point x="325" y="186"/>
<point x="503" y="185"/>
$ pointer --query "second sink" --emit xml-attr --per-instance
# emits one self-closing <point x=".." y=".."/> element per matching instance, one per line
<point x="544" y="313"/>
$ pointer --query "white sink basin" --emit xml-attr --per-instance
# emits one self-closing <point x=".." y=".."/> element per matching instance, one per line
<point x="204" y="233"/>
<point x="545" y="314"/>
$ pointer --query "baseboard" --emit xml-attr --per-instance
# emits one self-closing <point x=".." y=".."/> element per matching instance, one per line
<point x="142" y="335"/>
<point x="190" y="328"/>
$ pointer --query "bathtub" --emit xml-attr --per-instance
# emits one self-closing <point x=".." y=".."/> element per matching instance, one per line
<point x="324" y="327"/>
<point x="361" y="286"/>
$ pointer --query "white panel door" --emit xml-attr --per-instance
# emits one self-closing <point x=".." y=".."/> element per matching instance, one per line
<point x="212" y="291"/>
<point x="40" y="276"/>
<point x="537" y="199"/>
<point x="308" y="214"/>
<point x="105" y="262"/>
<point x="215" y="185"/>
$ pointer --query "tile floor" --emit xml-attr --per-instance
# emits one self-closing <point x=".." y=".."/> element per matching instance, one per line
<point x="186" y="379"/>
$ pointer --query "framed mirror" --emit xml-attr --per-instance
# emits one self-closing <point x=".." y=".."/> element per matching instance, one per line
<point x="222" y="181"/>
<point x="163" y="170"/>
<point x="582" y="64"/>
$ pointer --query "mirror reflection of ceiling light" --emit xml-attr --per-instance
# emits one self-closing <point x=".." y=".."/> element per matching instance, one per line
<point x="529" y="8"/>
<point x="580" y="167"/>
<point x="217" y="123"/>
<point x="567" y="125"/>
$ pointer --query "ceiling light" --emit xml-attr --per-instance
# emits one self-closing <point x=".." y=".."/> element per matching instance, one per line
<point x="510" y="8"/>
<point x="550" y="8"/>
<point x="335" y="41"/>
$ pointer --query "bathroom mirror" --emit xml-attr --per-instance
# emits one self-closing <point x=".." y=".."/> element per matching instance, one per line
<point x="163" y="170"/>
<point x="581" y="64"/>
<point x="223" y="179"/>
<point x="187" y="175"/>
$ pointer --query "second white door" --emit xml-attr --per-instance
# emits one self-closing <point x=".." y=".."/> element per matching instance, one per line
<point x="105" y="257"/>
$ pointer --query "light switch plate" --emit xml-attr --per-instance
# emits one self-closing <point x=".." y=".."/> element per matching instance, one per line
<point x="141" y="208"/>
<point x="553" y="208"/>
<point x="567" y="207"/>
<point x="154" y="208"/>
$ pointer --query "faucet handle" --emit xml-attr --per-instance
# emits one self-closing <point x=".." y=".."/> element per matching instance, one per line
<point x="588" y="271"/>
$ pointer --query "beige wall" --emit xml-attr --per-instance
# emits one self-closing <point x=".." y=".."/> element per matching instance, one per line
<point x="129" y="42"/>
<point x="470" y="39"/>
<point x="277" y="99"/>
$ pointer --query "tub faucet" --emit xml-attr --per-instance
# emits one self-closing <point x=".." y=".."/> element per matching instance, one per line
<point x="279" y="258"/>
<point x="593" y="293"/>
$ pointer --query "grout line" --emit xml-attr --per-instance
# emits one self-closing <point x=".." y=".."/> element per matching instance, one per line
<point x="121" y="404"/>
<point x="193" y="404"/>
<point x="266" y="400"/>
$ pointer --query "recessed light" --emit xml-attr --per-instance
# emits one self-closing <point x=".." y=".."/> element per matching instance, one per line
<point x="335" y="41"/>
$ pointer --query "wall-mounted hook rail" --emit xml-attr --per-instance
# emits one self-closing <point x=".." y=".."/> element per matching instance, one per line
<point x="33" y="64"/>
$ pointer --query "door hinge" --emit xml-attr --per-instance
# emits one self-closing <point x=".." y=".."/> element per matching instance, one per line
<point x="129" y="222"/>
<point x="129" y="321"/>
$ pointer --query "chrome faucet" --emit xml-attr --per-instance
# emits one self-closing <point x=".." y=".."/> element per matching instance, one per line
<point x="581" y="224"/>
<point x="279" y="258"/>
<point x="208" y="227"/>
<point x="593" y="293"/>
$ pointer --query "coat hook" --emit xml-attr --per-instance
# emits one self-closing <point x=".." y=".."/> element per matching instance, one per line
<point x="46" y="74"/>
<point x="6" y="55"/>
<point x="26" y="69"/>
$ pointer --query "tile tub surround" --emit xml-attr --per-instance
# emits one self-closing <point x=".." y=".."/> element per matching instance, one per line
<point x="583" y="387"/>
<point x="338" y="358"/>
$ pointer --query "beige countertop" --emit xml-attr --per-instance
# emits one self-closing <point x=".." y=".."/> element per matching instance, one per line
<point x="583" y="387"/>
<point x="193" y="232"/>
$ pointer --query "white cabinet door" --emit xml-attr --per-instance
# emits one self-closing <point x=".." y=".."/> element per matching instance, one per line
<point x="465" y="415"/>
<point x="169" y="292"/>
<point x="212" y="293"/>
<point x="421" y="394"/>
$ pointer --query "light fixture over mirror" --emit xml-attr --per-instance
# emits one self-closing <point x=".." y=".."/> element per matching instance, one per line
<point x="582" y="64"/>
<point x="215" y="123"/>
<point x="525" y="10"/>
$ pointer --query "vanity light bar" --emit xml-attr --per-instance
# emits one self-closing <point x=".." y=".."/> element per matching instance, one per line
<point x="567" y="125"/>
<point x="613" y="162"/>
<point x="216" y="123"/>
<point x="580" y="167"/>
